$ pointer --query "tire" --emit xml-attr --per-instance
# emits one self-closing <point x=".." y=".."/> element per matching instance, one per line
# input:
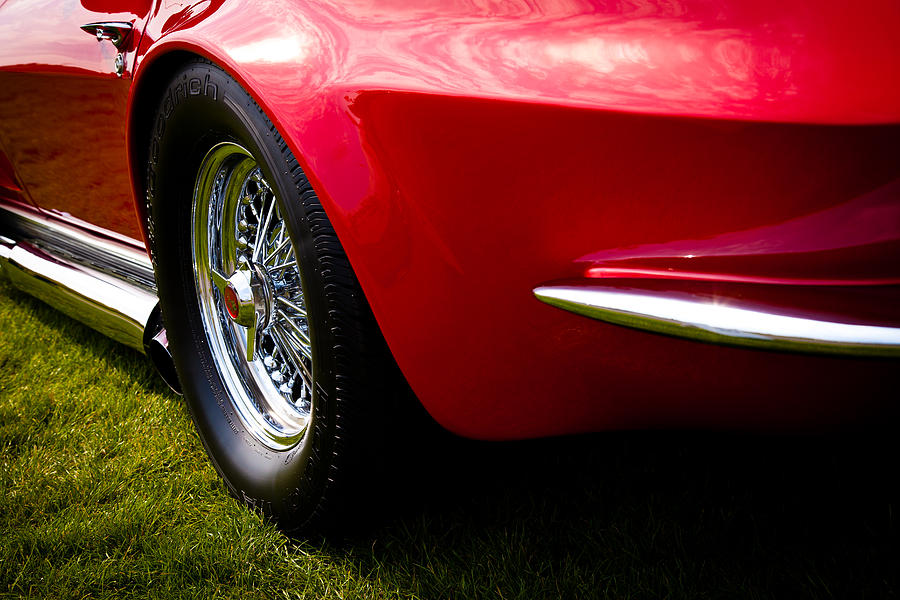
<point x="291" y="424"/>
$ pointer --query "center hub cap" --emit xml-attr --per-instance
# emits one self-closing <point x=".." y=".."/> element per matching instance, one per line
<point x="240" y="301"/>
<point x="231" y="302"/>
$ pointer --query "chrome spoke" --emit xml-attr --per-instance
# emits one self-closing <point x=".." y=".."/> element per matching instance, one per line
<point x="289" y="321"/>
<point x="291" y="263"/>
<point x="276" y="251"/>
<point x="298" y="309"/>
<point x="248" y="200"/>
<point x="296" y="358"/>
<point x="261" y="232"/>
<point x="294" y="342"/>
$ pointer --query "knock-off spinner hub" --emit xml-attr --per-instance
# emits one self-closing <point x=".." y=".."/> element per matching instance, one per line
<point x="246" y="297"/>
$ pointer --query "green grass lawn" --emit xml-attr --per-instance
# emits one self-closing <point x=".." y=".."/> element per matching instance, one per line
<point x="105" y="491"/>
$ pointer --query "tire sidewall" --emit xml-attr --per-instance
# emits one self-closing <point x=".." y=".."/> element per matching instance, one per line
<point x="201" y="107"/>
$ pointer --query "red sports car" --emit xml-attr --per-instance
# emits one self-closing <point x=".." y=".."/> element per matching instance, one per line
<point x="554" y="216"/>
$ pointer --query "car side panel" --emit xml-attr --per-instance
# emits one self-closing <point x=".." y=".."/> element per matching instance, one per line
<point x="467" y="154"/>
<point x="63" y="108"/>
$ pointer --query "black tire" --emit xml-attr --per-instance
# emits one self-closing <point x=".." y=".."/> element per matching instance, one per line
<point x="313" y="484"/>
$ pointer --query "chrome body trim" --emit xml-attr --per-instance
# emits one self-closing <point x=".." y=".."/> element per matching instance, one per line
<point x="707" y="321"/>
<point x="73" y="244"/>
<point x="117" y="32"/>
<point x="105" y="284"/>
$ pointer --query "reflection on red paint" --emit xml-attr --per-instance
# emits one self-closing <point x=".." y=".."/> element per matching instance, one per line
<point x="62" y="108"/>
<point x="853" y="243"/>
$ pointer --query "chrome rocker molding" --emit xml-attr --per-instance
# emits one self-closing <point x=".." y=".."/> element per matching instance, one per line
<point x="732" y="325"/>
<point x="103" y="283"/>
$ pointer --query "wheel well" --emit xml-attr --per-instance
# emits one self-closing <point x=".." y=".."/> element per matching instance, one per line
<point x="145" y="100"/>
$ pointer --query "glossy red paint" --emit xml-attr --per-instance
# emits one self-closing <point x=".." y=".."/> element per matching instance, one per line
<point x="10" y="188"/>
<point x="58" y="89"/>
<point x="470" y="151"/>
<point x="461" y="249"/>
<point x="856" y="242"/>
<point x="775" y="61"/>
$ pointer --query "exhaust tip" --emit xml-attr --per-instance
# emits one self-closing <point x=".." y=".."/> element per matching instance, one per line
<point x="158" y="351"/>
<point x="156" y="347"/>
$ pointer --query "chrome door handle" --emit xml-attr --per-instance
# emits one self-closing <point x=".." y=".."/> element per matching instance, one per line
<point x="116" y="31"/>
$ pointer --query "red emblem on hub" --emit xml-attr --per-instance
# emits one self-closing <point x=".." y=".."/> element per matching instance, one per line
<point x="231" y="301"/>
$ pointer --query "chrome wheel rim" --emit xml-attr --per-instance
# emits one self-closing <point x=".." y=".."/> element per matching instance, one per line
<point x="251" y="297"/>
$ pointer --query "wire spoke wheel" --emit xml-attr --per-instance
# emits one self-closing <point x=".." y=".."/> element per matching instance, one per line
<point x="251" y="295"/>
<point x="285" y="373"/>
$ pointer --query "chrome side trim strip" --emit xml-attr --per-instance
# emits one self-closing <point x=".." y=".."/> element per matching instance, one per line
<point x="76" y="245"/>
<point x="718" y="323"/>
<point x="105" y="284"/>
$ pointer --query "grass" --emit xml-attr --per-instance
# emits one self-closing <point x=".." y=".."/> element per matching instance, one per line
<point x="105" y="491"/>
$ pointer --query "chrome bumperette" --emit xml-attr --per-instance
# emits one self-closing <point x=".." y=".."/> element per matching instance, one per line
<point x="704" y="320"/>
<point x="104" y="283"/>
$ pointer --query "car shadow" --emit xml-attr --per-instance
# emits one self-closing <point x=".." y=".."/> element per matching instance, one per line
<point x="656" y="513"/>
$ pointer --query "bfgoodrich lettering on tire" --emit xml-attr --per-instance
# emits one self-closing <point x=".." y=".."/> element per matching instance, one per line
<point x="282" y="365"/>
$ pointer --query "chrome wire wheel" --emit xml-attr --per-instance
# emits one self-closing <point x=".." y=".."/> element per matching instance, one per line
<point x="250" y="289"/>
<point x="287" y="377"/>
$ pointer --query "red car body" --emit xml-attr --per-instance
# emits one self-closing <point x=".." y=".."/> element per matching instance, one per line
<point x="469" y="152"/>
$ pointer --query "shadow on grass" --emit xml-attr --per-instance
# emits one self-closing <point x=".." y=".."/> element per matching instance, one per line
<point x="658" y="514"/>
